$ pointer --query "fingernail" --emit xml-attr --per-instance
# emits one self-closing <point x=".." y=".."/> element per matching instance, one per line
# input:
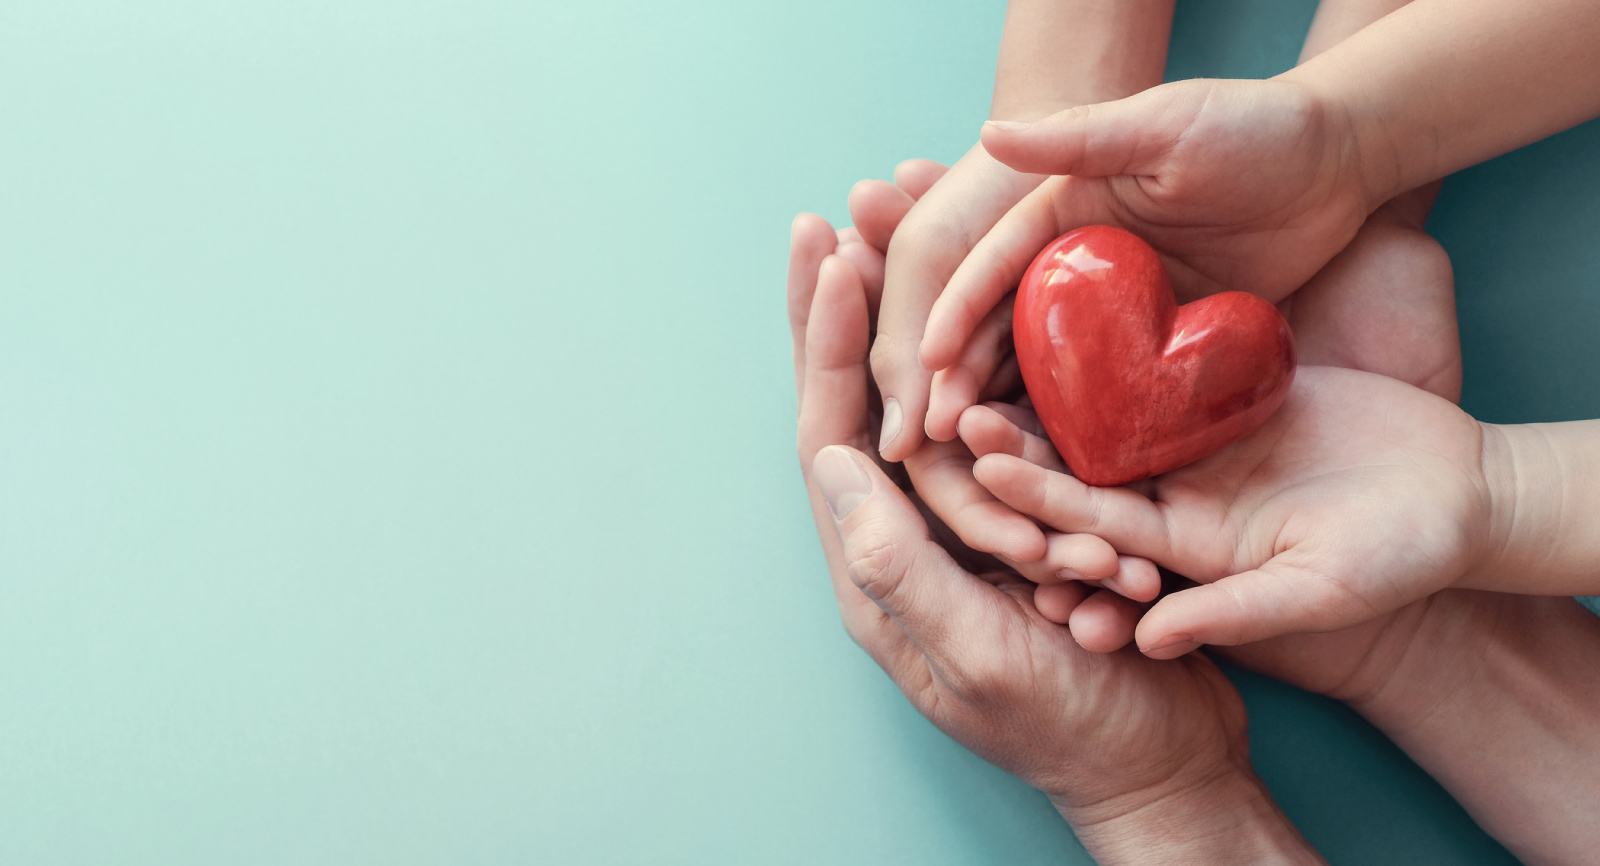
<point x="844" y="484"/>
<point x="891" y="423"/>
<point x="1182" y="643"/>
<point x="1009" y="125"/>
<point x="1068" y="574"/>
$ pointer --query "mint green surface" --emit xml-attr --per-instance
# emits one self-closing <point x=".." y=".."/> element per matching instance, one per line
<point x="396" y="436"/>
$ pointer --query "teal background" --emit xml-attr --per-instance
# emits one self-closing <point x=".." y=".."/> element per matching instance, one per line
<point x="396" y="435"/>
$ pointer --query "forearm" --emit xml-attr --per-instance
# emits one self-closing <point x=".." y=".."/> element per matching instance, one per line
<point x="1056" y="54"/>
<point x="1418" y="84"/>
<point x="1230" y="820"/>
<point x="1544" y="494"/>
<point x="1498" y="698"/>
<point x="1338" y="20"/>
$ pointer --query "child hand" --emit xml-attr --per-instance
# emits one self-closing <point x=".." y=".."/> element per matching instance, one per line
<point x="1361" y="494"/>
<point x="1244" y="185"/>
<point x="1100" y="620"/>
<point x="932" y="233"/>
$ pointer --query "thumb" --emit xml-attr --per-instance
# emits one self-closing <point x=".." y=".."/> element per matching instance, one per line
<point x="1127" y="136"/>
<point x="890" y="558"/>
<point x="1268" y="602"/>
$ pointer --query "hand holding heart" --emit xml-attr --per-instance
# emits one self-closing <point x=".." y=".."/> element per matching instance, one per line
<point x="1238" y="185"/>
<point x="1359" y="495"/>
<point x="1128" y="384"/>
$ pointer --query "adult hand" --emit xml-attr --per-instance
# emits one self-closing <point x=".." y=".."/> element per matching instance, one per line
<point x="1169" y="782"/>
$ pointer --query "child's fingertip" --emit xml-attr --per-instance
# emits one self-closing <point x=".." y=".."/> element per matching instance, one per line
<point x="1007" y="125"/>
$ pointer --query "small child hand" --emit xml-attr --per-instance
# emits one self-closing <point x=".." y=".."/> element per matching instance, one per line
<point x="1239" y="185"/>
<point x="1361" y="494"/>
<point x="1098" y="598"/>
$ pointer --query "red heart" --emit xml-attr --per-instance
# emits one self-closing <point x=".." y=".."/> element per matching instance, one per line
<point x="1128" y="383"/>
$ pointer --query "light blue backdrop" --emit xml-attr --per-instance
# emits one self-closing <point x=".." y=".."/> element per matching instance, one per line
<point x="396" y="423"/>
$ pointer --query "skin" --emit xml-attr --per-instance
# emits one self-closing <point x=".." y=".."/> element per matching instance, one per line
<point x="1083" y="580"/>
<point x="1362" y="494"/>
<point x="1328" y="142"/>
<point x="1433" y="660"/>
<point x="1444" y="677"/>
<point x="1342" y="316"/>
<point x="1053" y="54"/>
<point x="1170" y="782"/>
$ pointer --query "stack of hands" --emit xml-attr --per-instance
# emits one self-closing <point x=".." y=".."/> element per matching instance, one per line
<point x="1371" y="542"/>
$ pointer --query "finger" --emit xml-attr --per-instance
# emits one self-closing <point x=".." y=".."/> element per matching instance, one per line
<point x="1131" y="523"/>
<point x="926" y="249"/>
<point x="942" y="475"/>
<point x="1079" y="556"/>
<point x="877" y="207"/>
<point x="995" y="266"/>
<point x="1273" y="600"/>
<point x="1104" y="622"/>
<point x="957" y="386"/>
<point x="1005" y="380"/>
<point x="917" y="176"/>
<point x="1126" y="136"/>
<point x="834" y="408"/>
<point x="986" y="430"/>
<point x="849" y="235"/>
<point x="1022" y="415"/>
<point x="935" y="603"/>
<point x="810" y="240"/>
<point x="1057" y="601"/>
<point x="1137" y="579"/>
<point x="1090" y="558"/>
<point x="868" y="263"/>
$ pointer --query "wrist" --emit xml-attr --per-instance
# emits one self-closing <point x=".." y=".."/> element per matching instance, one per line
<point x="1225" y="816"/>
<point x="1476" y="665"/>
<point x="1055" y="56"/>
<point x="1500" y="474"/>
<point x="1369" y="156"/>
<point x="1522" y="550"/>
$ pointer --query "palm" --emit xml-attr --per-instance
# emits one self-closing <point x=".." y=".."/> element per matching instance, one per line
<point x="1385" y="304"/>
<point x="1070" y="697"/>
<point x="1323" y="498"/>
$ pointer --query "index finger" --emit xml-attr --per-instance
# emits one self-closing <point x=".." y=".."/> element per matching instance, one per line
<point x="997" y="262"/>
<point x="811" y="239"/>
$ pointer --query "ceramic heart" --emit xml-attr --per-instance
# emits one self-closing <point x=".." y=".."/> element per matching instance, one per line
<point x="1129" y="384"/>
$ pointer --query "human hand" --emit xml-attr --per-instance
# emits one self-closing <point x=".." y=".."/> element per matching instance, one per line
<point x="1170" y="782"/>
<point x="1238" y="185"/>
<point x="1052" y="54"/>
<point x="928" y="244"/>
<point x="1385" y="304"/>
<point x="1101" y="610"/>
<point x="1361" y="494"/>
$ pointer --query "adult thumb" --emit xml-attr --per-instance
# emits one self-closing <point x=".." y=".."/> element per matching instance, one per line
<point x="890" y="558"/>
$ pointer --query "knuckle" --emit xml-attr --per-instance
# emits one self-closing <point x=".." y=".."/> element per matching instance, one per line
<point x="1094" y="510"/>
<point x="877" y="559"/>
